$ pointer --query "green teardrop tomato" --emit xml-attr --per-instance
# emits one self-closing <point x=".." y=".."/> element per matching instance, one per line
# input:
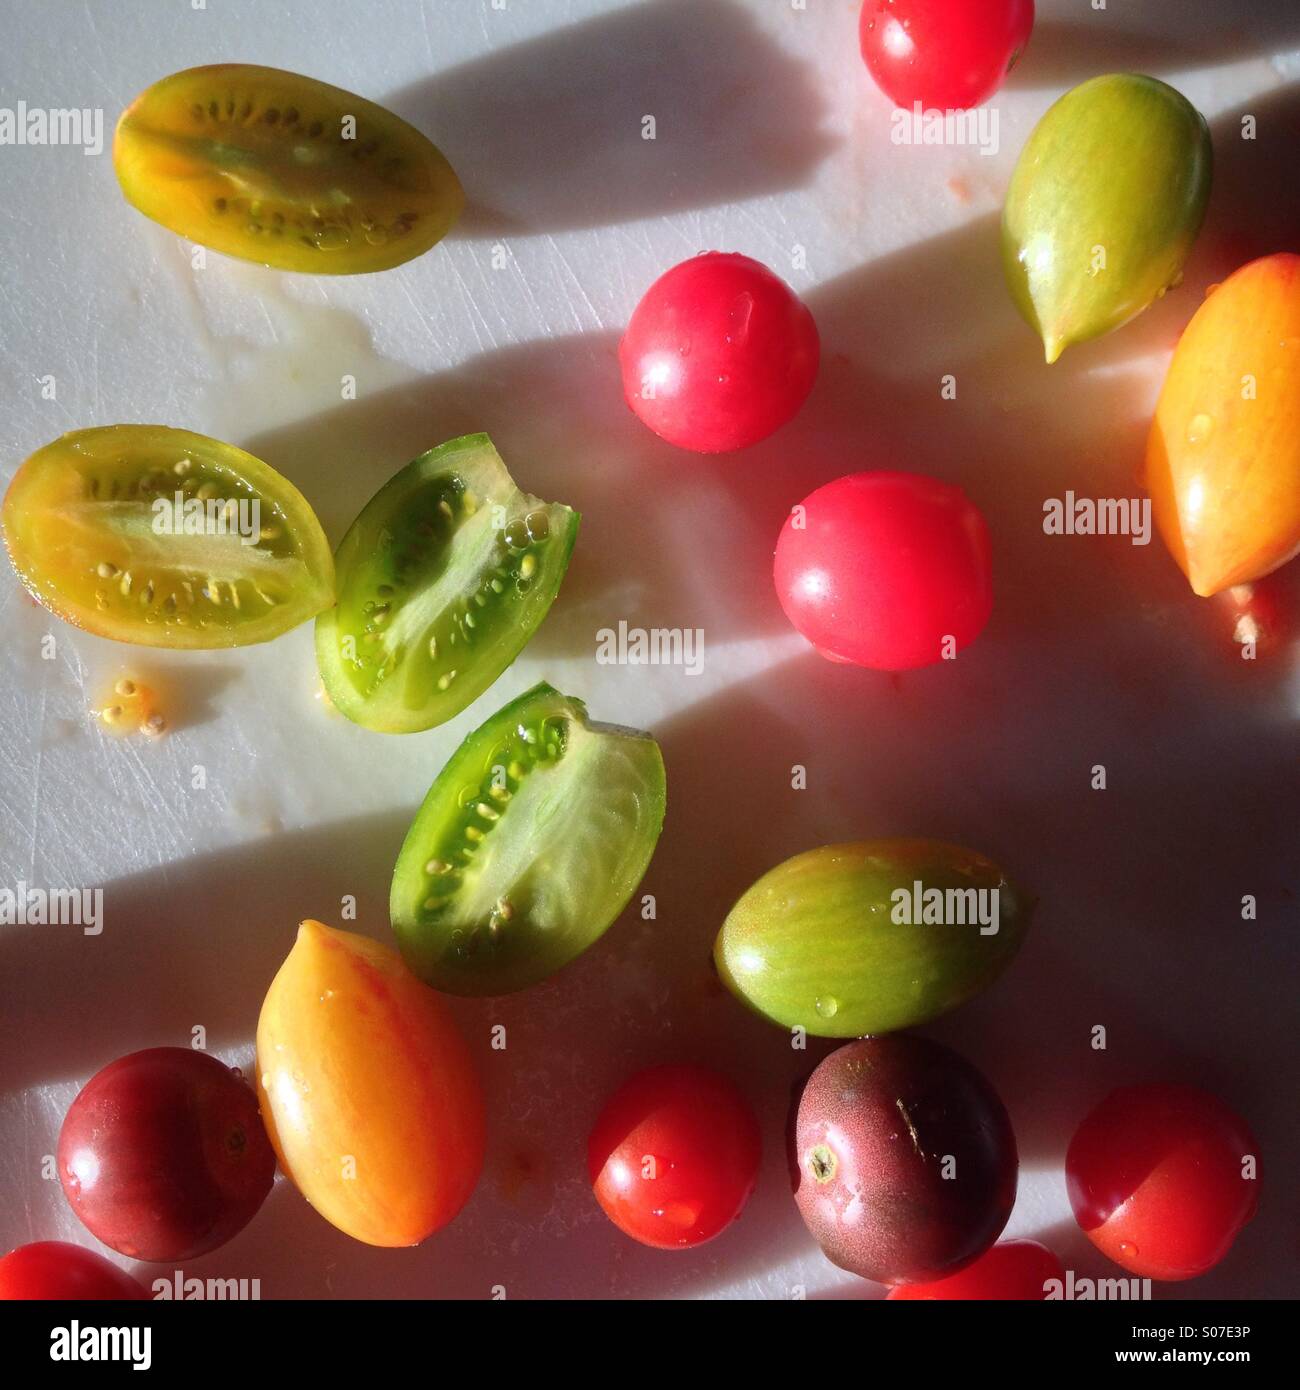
<point x="442" y="580"/>
<point x="165" y="538"/>
<point x="528" y="845"/>
<point x="864" y="938"/>
<point x="1104" y="205"/>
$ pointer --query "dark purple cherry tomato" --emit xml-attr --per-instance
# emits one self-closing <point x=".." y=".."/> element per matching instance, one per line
<point x="163" y="1154"/>
<point x="718" y="354"/>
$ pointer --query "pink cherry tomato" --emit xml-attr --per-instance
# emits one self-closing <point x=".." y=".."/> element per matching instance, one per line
<point x="946" y="54"/>
<point x="718" y="354"/>
<point x="887" y="570"/>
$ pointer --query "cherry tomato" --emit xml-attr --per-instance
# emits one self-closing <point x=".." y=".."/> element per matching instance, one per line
<point x="1013" y="1269"/>
<point x="1159" y="1180"/>
<point x="283" y="170"/>
<point x="53" y="1269"/>
<point x="888" y="570"/>
<point x="368" y="1089"/>
<point x="163" y="1155"/>
<point x="946" y="54"/>
<point x="718" y="354"/>
<point x="674" y="1156"/>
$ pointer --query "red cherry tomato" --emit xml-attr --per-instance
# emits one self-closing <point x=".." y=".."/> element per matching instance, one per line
<point x="718" y="354"/>
<point x="163" y="1154"/>
<point x="888" y="570"/>
<point x="1015" y="1269"/>
<point x="1157" y="1179"/>
<point x="946" y="54"/>
<point x="53" y="1269"/>
<point x="674" y="1156"/>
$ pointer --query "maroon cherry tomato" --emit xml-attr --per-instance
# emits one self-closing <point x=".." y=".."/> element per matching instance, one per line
<point x="1160" y="1179"/>
<point x="888" y="570"/>
<point x="53" y="1269"/>
<point x="1014" y="1269"/>
<point x="674" y="1156"/>
<point x="718" y="354"/>
<point x="163" y="1154"/>
<point x="946" y="54"/>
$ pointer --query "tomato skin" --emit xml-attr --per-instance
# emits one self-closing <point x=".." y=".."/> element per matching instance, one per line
<point x="57" y="1270"/>
<point x="1223" y="465"/>
<point x="730" y="350"/>
<point x="1155" y="1178"/>
<point x="1011" y="1270"/>
<point x="358" y="1060"/>
<point x="946" y="54"/>
<point x="706" y="1146"/>
<point x="879" y="569"/>
<point x="163" y="1156"/>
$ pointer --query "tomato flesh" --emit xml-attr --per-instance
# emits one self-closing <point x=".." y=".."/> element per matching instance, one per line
<point x="283" y="170"/>
<point x="527" y="847"/>
<point x="94" y="528"/>
<point x="1158" y="1179"/>
<point x="54" y="1269"/>
<point x="674" y="1156"/>
<point x="1011" y="1270"/>
<point x="163" y="1156"/>
<point x="718" y="354"/>
<point x="368" y="1090"/>
<point x="442" y="579"/>
<point x="946" y="54"/>
<point x="887" y="570"/>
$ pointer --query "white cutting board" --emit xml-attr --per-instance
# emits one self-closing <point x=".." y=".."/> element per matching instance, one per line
<point x="770" y="136"/>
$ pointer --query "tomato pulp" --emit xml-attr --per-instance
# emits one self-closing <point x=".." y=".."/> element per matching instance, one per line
<point x="888" y="570"/>
<point x="719" y="354"/>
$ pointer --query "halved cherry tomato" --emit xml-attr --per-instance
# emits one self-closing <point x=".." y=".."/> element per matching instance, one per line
<point x="163" y="1156"/>
<point x="1162" y="1179"/>
<point x="368" y="1090"/>
<point x="718" y="354"/>
<point x="283" y="170"/>
<point x="674" y="1156"/>
<point x="1012" y="1269"/>
<point x="889" y="570"/>
<point x="442" y="579"/>
<point x="946" y="54"/>
<point x="54" y="1269"/>
<point x="527" y="846"/>
<point x="165" y="538"/>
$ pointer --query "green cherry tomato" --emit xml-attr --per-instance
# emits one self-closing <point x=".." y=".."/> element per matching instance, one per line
<point x="165" y="538"/>
<point x="442" y="579"/>
<point x="864" y="938"/>
<point x="1104" y="205"/>
<point x="528" y="845"/>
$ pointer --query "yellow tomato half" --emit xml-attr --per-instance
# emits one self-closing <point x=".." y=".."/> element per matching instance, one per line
<point x="1223" y="456"/>
<point x="284" y="170"/>
<point x="367" y="1089"/>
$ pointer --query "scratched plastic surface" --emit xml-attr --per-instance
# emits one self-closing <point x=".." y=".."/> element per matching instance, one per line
<point x="769" y="137"/>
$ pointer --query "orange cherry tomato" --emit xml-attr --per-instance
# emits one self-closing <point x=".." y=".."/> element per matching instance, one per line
<point x="367" y="1089"/>
<point x="1223" y="456"/>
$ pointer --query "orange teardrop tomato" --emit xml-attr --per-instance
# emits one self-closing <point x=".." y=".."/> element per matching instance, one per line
<point x="1223" y="456"/>
<point x="283" y="170"/>
<point x="367" y="1089"/>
